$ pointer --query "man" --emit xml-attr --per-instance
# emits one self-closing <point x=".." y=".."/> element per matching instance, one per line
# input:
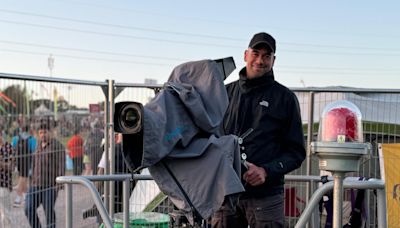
<point x="7" y="163"/>
<point x="275" y="146"/>
<point x="120" y="168"/>
<point x="75" y="151"/>
<point x="93" y="145"/>
<point x="24" y="144"/>
<point x="48" y="163"/>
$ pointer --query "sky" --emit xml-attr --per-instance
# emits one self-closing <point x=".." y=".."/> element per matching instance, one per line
<point x="319" y="43"/>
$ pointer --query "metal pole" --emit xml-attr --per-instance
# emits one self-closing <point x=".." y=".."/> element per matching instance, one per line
<point x="382" y="215"/>
<point x="310" y="135"/>
<point x="309" y="185"/>
<point x="68" y="205"/>
<point x="111" y="154"/>
<point x="367" y="210"/>
<point x="337" y="199"/>
<point x="106" y="185"/>
<point x="315" y="217"/>
<point x="125" y="197"/>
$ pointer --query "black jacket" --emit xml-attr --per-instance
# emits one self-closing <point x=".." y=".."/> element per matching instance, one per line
<point x="277" y="142"/>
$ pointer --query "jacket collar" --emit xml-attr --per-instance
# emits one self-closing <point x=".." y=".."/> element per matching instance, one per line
<point x="43" y="145"/>
<point x="249" y="84"/>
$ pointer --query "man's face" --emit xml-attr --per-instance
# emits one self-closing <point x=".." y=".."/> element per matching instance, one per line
<point x="258" y="61"/>
<point x="44" y="135"/>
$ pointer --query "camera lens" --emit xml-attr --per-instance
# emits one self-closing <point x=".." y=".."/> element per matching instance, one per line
<point x="131" y="117"/>
<point x="128" y="117"/>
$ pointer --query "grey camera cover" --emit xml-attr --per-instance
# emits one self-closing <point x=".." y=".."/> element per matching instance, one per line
<point x="181" y="131"/>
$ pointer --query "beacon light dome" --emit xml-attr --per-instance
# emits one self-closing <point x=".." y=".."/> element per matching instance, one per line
<point x="341" y="122"/>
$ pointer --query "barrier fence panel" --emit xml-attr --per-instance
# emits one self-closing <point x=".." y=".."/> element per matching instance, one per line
<point x="55" y="127"/>
<point x="381" y="123"/>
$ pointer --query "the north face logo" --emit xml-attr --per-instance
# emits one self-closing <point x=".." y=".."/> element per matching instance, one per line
<point x="264" y="103"/>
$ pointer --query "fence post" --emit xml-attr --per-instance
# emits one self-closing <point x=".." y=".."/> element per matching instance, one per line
<point x="382" y="213"/>
<point x="126" y="194"/>
<point x="111" y="148"/>
<point x="106" y="184"/>
<point x="310" y="185"/>
<point x="68" y="205"/>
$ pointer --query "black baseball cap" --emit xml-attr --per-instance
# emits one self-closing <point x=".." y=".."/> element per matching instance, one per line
<point x="263" y="38"/>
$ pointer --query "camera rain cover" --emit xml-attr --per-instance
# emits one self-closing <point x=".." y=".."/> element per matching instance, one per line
<point x="191" y="162"/>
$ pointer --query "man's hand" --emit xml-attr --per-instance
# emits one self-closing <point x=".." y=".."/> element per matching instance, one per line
<point x="255" y="175"/>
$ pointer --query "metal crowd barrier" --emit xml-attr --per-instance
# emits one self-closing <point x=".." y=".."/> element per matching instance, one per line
<point x="379" y="185"/>
<point x="87" y="181"/>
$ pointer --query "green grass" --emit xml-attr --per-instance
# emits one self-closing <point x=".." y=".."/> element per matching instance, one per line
<point x="381" y="128"/>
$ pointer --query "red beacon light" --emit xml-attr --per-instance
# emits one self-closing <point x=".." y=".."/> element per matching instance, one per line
<point x="341" y="122"/>
<point x="340" y="147"/>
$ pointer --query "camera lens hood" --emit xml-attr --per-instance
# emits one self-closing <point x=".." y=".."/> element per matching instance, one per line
<point x="128" y="117"/>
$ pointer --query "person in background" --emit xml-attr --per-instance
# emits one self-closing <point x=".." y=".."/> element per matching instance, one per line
<point x="275" y="146"/>
<point x="48" y="163"/>
<point x="88" y="164"/>
<point x="7" y="164"/>
<point x="93" y="144"/>
<point x="75" y="152"/>
<point x="25" y="145"/>
<point x="120" y="168"/>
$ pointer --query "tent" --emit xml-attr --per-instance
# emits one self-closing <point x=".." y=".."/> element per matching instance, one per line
<point x="42" y="110"/>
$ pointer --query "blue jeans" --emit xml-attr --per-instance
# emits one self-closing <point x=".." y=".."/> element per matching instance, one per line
<point x="35" y="197"/>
